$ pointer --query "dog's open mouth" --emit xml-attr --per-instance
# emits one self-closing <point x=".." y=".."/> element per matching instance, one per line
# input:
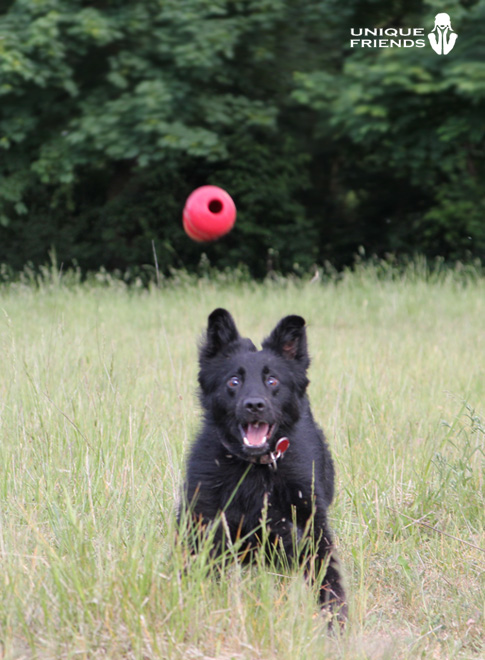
<point x="256" y="434"/>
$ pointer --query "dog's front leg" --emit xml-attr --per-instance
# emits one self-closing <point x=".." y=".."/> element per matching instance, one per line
<point x="327" y="568"/>
<point x="283" y="539"/>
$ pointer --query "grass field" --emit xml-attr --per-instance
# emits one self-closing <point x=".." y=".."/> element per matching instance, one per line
<point x="98" y="405"/>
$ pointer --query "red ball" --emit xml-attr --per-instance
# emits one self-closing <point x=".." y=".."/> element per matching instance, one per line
<point x="209" y="213"/>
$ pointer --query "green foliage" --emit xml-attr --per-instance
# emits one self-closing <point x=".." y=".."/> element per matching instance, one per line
<point x="407" y="131"/>
<point x="111" y="115"/>
<point x="112" y="112"/>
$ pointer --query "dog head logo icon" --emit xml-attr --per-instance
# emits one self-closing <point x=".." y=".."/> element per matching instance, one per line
<point x="442" y="37"/>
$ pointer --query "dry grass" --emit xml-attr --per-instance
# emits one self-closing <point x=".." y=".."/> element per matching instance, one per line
<point x="98" y="404"/>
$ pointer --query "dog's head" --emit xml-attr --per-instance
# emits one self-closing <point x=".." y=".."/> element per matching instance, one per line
<point x="253" y="397"/>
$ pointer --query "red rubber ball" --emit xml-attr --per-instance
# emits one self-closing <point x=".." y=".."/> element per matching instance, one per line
<point x="209" y="213"/>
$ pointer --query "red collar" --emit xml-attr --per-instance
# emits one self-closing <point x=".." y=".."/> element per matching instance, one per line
<point x="271" y="458"/>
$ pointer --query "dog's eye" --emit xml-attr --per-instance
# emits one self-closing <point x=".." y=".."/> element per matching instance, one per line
<point x="271" y="381"/>
<point x="233" y="382"/>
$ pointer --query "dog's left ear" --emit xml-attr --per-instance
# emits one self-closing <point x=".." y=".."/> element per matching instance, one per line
<point x="288" y="339"/>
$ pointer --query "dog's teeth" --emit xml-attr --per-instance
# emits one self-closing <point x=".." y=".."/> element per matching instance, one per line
<point x="246" y="441"/>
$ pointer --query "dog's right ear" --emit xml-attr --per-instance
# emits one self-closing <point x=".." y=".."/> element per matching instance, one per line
<point x="221" y="331"/>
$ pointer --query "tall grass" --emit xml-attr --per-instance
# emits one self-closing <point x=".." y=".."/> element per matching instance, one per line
<point x="97" y="408"/>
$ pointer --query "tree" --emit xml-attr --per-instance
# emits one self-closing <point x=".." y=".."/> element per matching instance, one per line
<point x="112" y="111"/>
<point x="406" y="133"/>
<point x="112" y="98"/>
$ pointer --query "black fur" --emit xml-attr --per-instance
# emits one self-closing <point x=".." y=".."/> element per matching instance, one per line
<point x="245" y="392"/>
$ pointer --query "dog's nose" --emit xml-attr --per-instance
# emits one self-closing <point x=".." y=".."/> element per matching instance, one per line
<point x="254" y="404"/>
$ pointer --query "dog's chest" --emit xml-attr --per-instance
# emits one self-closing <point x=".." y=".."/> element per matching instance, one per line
<point x="260" y="493"/>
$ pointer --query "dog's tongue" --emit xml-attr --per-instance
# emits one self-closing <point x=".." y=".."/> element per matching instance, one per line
<point x="256" y="434"/>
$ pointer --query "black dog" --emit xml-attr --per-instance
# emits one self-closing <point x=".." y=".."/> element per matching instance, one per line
<point x="260" y="467"/>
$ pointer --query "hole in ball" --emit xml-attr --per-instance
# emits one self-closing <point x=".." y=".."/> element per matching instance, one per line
<point x="215" y="206"/>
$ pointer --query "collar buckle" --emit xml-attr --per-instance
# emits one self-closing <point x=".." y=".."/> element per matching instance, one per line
<point x="271" y="458"/>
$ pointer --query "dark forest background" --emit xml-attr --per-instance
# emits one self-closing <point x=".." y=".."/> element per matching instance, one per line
<point x="112" y="112"/>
